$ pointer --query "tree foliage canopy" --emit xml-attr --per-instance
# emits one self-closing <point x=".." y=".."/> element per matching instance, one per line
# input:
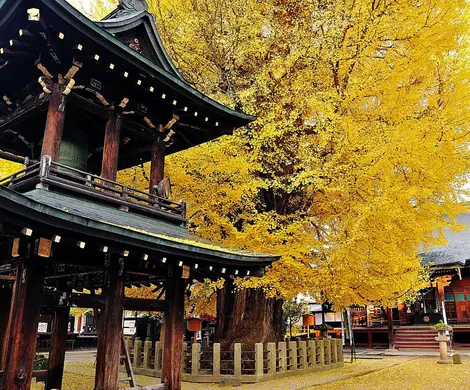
<point x="361" y="144"/>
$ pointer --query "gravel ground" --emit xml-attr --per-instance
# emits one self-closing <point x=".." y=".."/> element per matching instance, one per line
<point x="388" y="373"/>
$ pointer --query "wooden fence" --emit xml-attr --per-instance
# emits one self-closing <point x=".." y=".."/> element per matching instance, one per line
<point x="265" y="362"/>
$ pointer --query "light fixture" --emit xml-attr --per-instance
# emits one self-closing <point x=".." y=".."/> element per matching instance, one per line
<point x="217" y="123"/>
<point x="27" y="232"/>
<point x="56" y="239"/>
<point x="174" y="102"/>
<point x="61" y="35"/>
<point x="20" y="32"/>
<point x="104" y="249"/>
<point x="11" y="42"/>
<point x="211" y="268"/>
<point x="180" y="264"/>
<point x="97" y="57"/>
<point x="236" y="272"/>
<point x="126" y="74"/>
<point x="164" y="260"/>
<point x="151" y="89"/>
<point x="139" y="82"/>
<point x="125" y="253"/>
<point x="34" y="14"/>
<point x="145" y="257"/>
<point x="2" y="50"/>
<point x="223" y="270"/>
<point x="111" y="66"/>
<point x="207" y="119"/>
<point x="163" y="96"/>
<point x="81" y="244"/>
<point x="196" y="113"/>
<point x="185" y="109"/>
<point x="247" y="273"/>
<point x="196" y="266"/>
<point x="79" y="47"/>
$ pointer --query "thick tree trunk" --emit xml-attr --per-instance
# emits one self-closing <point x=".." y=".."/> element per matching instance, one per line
<point x="247" y="316"/>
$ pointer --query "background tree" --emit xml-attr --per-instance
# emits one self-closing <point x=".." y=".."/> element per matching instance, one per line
<point x="293" y="310"/>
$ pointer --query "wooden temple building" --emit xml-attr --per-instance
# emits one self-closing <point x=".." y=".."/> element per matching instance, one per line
<point x="79" y="101"/>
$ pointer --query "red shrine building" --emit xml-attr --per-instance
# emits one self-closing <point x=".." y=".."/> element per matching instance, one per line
<point x="79" y="101"/>
<point x="447" y="298"/>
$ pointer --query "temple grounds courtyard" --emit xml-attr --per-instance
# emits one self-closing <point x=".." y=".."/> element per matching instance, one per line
<point x="387" y="373"/>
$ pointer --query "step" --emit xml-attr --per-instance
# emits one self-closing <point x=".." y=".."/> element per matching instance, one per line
<point x="124" y="379"/>
<point x="426" y="342"/>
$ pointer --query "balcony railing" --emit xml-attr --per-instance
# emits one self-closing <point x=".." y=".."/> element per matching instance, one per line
<point x="49" y="174"/>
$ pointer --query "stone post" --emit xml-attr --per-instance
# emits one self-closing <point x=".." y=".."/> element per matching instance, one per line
<point x="282" y="357"/>
<point x="340" y="351"/>
<point x="158" y="356"/>
<point x="237" y="359"/>
<point x="195" y="359"/>
<point x="137" y="351"/>
<point x="216" y="359"/>
<point x="293" y="355"/>
<point x="328" y="352"/>
<point x="303" y="355"/>
<point x="259" y="359"/>
<point x="312" y="353"/>
<point x="184" y="357"/>
<point x="442" y="339"/>
<point x="321" y="344"/>
<point x="272" y="358"/>
<point x="147" y="353"/>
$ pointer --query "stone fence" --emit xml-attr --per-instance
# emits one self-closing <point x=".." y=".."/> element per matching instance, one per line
<point x="265" y="362"/>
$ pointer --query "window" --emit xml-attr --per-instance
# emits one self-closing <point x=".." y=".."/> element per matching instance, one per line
<point x="460" y="297"/>
<point x="449" y="297"/>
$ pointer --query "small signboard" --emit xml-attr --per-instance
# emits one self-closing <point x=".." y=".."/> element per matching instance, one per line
<point x="42" y="327"/>
<point x="129" y="331"/>
<point x="129" y="327"/>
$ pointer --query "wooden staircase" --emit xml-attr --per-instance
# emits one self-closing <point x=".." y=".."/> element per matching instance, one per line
<point x="416" y="337"/>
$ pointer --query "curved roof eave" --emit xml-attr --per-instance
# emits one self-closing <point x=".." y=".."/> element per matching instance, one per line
<point x="128" y="22"/>
<point x="69" y="14"/>
<point x="27" y="208"/>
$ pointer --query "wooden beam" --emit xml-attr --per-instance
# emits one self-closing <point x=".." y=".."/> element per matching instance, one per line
<point x="54" y="123"/>
<point x="112" y="140"/>
<point x="5" y="306"/>
<point x="174" y="326"/>
<point x="24" y="325"/>
<point x="110" y="330"/>
<point x="58" y="348"/>
<point x="157" y="162"/>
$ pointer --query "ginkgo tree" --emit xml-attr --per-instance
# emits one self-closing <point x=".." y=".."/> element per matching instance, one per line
<point x="361" y="144"/>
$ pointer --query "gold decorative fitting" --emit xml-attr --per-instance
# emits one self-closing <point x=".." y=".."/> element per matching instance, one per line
<point x="168" y="137"/>
<point x="124" y="102"/>
<point x="69" y="87"/>
<point x="44" y="85"/>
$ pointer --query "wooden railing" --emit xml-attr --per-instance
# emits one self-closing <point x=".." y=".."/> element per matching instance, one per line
<point x="48" y="173"/>
<point x="265" y="362"/>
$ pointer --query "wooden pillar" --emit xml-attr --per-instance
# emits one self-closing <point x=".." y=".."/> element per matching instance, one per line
<point x="24" y="324"/>
<point x="5" y="306"/>
<point x="391" y="341"/>
<point x="58" y="348"/>
<point x="157" y="162"/>
<point x="54" y="123"/>
<point x="112" y="140"/>
<point x="174" y="326"/>
<point x="110" y="329"/>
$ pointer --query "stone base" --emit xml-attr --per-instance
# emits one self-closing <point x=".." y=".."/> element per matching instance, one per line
<point x="392" y="350"/>
<point x="444" y="361"/>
